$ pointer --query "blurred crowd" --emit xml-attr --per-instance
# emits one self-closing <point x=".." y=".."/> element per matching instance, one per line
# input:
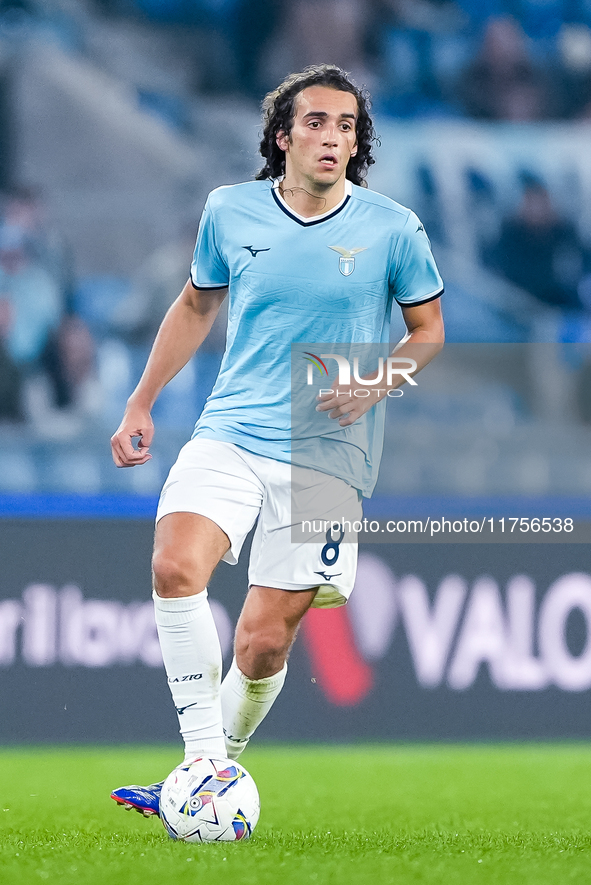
<point x="57" y="331"/>
<point x="515" y="60"/>
<point x="542" y="252"/>
<point x="41" y="335"/>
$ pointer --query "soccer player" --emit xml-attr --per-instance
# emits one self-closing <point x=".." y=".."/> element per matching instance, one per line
<point x="306" y="253"/>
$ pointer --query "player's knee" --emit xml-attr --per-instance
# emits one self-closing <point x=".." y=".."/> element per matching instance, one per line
<point x="260" y="652"/>
<point x="172" y="576"/>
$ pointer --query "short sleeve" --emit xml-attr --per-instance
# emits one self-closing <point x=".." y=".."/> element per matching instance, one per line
<point x="415" y="278"/>
<point x="208" y="269"/>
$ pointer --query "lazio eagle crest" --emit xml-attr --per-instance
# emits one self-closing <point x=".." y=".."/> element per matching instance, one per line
<point x="347" y="259"/>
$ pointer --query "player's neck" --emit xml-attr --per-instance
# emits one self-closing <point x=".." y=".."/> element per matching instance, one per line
<point x="308" y="199"/>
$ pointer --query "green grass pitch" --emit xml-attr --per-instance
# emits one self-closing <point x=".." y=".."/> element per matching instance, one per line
<point x="508" y="814"/>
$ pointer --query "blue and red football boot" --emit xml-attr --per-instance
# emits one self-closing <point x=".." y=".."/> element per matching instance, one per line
<point x="146" y="800"/>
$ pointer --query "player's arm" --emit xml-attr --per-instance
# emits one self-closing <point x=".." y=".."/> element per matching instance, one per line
<point x="424" y="339"/>
<point x="185" y="326"/>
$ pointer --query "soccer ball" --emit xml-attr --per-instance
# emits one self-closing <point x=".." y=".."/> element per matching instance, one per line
<point x="209" y="800"/>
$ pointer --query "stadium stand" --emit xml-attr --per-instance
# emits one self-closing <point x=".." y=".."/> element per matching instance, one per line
<point x="151" y="129"/>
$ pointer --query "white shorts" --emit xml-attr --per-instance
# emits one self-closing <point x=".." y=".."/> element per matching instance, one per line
<point x="234" y="487"/>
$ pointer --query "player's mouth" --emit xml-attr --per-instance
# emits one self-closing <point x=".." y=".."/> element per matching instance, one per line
<point x="329" y="161"/>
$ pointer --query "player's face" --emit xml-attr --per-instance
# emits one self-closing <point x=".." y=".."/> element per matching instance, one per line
<point x="322" y="139"/>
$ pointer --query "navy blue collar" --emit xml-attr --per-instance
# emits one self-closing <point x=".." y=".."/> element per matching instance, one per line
<point x="315" y="219"/>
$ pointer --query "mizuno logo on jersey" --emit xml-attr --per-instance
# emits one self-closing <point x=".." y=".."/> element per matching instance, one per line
<point x="347" y="259"/>
<point x="326" y="576"/>
<point x="255" y="252"/>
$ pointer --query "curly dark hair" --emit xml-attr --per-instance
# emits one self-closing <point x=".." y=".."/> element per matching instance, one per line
<point x="279" y="108"/>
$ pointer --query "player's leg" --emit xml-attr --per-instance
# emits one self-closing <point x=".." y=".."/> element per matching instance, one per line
<point x="207" y="507"/>
<point x="267" y="628"/>
<point x="294" y="566"/>
<point x="187" y="548"/>
<point x="265" y="632"/>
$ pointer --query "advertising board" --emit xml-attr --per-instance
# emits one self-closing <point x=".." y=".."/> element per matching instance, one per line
<point x="439" y="642"/>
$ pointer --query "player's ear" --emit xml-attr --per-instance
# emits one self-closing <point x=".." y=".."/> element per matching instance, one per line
<point x="282" y="140"/>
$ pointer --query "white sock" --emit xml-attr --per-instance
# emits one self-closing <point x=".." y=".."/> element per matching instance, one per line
<point x="193" y="661"/>
<point x="245" y="703"/>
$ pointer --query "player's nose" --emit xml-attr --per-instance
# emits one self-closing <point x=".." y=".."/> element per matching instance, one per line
<point x="330" y="135"/>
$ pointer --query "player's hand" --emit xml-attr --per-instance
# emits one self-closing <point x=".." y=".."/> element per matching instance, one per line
<point x="345" y="405"/>
<point x="136" y="424"/>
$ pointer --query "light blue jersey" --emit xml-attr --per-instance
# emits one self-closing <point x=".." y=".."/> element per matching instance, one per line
<point x="295" y="281"/>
